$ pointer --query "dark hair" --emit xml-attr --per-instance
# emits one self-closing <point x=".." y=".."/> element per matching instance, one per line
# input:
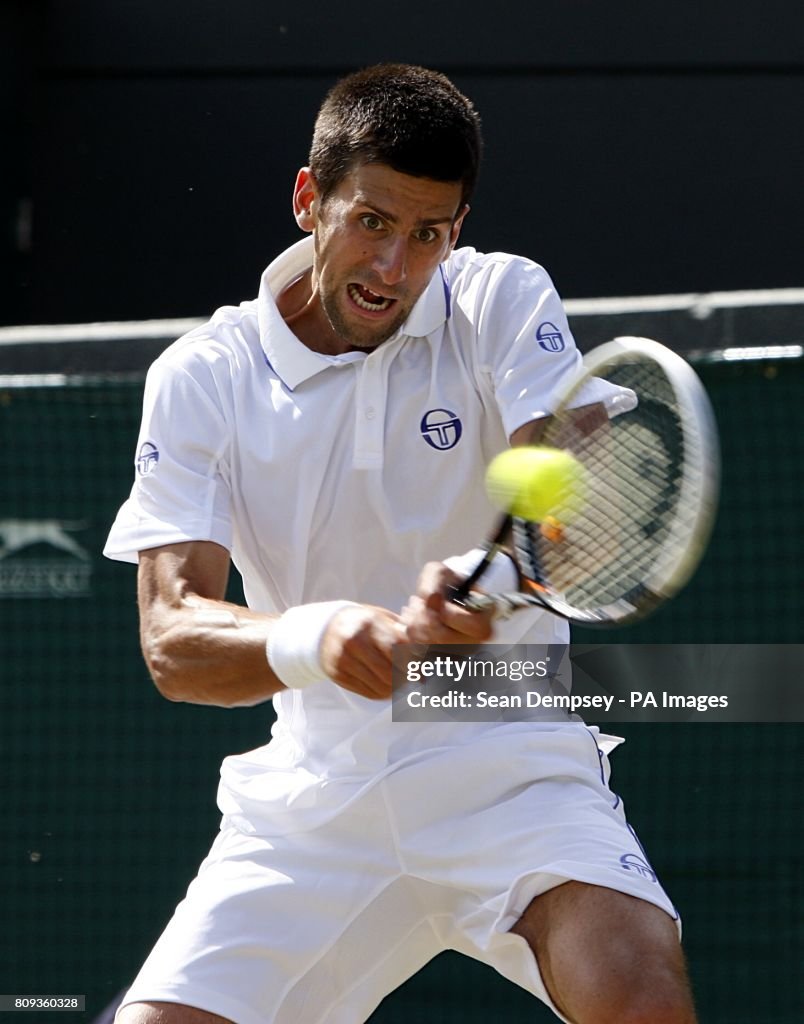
<point x="410" y="118"/>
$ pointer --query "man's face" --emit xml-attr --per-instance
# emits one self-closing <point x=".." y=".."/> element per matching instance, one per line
<point x="379" y="237"/>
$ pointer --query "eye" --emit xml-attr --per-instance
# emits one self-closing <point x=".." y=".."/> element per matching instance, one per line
<point x="426" y="235"/>
<point x="371" y="221"/>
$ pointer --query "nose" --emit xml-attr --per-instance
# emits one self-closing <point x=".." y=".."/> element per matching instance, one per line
<point x="391" y="261"/>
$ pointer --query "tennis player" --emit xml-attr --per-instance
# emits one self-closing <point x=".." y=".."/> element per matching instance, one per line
<point x="330" y="439"/>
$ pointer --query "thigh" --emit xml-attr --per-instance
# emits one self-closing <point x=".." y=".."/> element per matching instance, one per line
<point x="166" y="1013"/>
<point x="606" y="956"/>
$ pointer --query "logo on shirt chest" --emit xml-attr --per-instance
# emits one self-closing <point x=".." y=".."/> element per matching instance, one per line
<point x="441" y="429"/>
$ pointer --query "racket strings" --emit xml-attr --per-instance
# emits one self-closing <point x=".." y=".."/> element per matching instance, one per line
<point x="632" y="508"/>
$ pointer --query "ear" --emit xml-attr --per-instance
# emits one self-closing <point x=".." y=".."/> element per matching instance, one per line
<point x="306" y="199"/>
<point x="455" y="230"/>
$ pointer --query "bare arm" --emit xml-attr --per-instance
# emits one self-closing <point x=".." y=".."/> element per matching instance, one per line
<point x="204" y="650"/>
<point x="587" y="419"/>
<point x="197" y="647"/>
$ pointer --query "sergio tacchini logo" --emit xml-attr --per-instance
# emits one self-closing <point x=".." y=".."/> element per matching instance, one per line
<point x="441" y="429"/>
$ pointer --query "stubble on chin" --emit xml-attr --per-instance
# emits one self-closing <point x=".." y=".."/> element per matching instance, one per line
<point x="367" y="339"/>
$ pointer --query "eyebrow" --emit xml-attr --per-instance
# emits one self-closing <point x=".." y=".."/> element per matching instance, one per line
<point x="429" y="222"/>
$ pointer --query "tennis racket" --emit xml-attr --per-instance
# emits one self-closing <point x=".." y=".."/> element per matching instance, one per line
<point x="651" y="481"/>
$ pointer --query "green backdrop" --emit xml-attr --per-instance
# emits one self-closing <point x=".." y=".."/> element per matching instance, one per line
<point x="109" y="789"/>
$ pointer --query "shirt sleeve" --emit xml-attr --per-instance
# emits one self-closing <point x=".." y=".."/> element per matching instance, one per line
<point x="526" y="349"/>
<point x="181" y="487"/>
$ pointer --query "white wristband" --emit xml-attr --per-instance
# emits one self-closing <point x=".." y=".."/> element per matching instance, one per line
<point x="500" y="576"/>
<point x="294" y="641"/>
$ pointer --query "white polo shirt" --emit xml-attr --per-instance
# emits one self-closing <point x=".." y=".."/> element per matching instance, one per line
<point x="338" y="477"/>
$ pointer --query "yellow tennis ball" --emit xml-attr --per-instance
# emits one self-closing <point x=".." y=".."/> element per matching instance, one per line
<point x="536" y="482"/>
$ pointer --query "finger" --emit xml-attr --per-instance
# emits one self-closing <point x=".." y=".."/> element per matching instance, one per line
<point x="434" y="580"/>
<point x="471" y="626"/>
<point x="432" y="619"/>
<point x="362" y="671"/>
<point x="422" y="621"/>
<point x="364" y="655"/>
<point x="357" y="678"/>
<point x="453" y="625"/>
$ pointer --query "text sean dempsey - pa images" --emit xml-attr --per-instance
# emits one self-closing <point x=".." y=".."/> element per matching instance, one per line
<point x="457" y="672"/>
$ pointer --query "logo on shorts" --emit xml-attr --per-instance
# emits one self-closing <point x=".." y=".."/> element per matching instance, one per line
<point x="550" y="338"/>
<point x="147" y="458"/>
<point x="441" y="429"/>
<point x="633" y="862"/>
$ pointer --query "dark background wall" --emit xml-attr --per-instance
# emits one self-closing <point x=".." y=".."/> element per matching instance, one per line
<point x="632" y="147"/>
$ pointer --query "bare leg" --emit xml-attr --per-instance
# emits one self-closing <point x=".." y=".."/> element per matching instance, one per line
<point x="608" y="958"/>
<point x="167" y="1013"/>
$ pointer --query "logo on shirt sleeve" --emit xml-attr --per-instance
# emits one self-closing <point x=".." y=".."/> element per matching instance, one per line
<point x="550" y="338"/>
<point x="441" y="429"/>
<point x="147" y="458"/>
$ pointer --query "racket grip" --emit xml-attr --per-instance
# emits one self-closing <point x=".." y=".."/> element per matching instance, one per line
<point x="497" y="570"/>
<point x="463" y="596"/>
<point x="502" y="605"/>
<point x="458" y="593"/>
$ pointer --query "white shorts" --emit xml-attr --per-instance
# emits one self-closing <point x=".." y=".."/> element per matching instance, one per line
<point x="317" y="927"/>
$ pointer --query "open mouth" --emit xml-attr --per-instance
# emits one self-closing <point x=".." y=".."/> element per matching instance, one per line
<point x="368" y="300"/>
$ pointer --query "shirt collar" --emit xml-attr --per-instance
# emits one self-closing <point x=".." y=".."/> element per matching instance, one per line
<point x="292" y="360"/>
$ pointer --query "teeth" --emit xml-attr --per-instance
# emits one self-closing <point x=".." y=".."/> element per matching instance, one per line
<point x="372" y="307"/>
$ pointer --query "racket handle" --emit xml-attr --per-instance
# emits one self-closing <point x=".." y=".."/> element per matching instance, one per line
<point x="459" y="593"/>
<point x="473" y="602"/>
<point x="502" y="605"/>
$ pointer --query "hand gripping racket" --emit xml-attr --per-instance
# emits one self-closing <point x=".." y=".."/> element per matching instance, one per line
<point x="651" y="480"/>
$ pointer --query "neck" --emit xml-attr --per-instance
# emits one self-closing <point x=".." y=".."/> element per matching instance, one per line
<point x="300" y="307"/>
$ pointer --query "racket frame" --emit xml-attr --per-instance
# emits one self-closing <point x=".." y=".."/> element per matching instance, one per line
<point x="685" y="542"/>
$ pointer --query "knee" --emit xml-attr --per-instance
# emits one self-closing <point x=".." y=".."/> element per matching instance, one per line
<point x="627" y="995"/>
<point x="651" y="1012"/>
<point x="166" y="1013"/>
<point x="649" y="1000"/>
